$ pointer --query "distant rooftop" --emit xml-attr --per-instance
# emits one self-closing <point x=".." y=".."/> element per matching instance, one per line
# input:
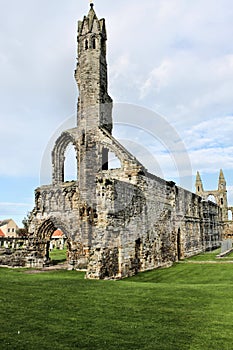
<point x="5" y="222"/>
<point x="1" y="233"/>
<point x="57" y="233"/>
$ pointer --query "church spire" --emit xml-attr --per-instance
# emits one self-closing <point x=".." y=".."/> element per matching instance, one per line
<point x="199" y="185"/>
<point x="91" y="16"/>
<point x="221" y="175"/>
<point x="221" y="181"/>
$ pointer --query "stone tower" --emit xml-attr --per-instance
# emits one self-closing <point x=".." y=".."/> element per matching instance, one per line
<point x="82" y="208"/>
<point x="94" y="103"/>
<point x="222" y="191"/>
<point x="220" y="194"/>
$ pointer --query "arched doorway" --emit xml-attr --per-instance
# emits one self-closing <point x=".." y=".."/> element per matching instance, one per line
<point x="54" y="242"/>
<point x="58" y="248"/>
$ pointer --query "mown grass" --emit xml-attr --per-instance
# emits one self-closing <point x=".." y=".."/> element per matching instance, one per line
<point x="211" y="256"/>
<point x="58" y="256"/>
<point x="188" y="306"/>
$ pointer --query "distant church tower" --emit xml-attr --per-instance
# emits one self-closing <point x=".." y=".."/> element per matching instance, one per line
<point x="220" y="194"/>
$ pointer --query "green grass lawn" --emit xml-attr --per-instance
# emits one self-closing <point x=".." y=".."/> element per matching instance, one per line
<point x="211" y="256"/>
<point x="188" y="306"/>
<point x="58" y="255"/>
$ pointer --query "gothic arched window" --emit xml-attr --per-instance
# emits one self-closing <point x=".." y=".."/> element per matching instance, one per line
<point x="93" y="43"/>
<point x="86" y="44"/>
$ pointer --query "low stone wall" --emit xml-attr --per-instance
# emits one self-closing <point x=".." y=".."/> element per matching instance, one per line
<point x="20" y="252"/>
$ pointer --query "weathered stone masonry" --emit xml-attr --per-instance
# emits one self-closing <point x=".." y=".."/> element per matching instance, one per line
<point x="117" y="221"/>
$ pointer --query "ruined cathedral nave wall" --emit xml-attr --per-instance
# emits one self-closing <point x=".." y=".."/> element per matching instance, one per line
<point x="148" y="225"/>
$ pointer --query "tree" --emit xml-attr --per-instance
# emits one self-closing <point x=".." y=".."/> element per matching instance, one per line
<point x="23" y="232"/>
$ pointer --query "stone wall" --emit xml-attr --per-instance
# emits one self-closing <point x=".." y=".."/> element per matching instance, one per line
<point x="20" y="252"/>
<point x="149" y="225"/>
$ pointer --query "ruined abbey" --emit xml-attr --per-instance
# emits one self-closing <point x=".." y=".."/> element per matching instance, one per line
<point x="117" y="221"/>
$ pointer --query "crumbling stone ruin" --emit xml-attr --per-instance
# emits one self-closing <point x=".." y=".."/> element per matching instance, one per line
<point x="219" y="196"/>
<point x="117" y="221"/>
<point x="20" y="251"/>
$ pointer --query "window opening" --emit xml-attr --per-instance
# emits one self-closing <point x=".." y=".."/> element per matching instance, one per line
<point x="70" y="164"/>
<point x="110" y="160"/>
<point x="83" y="138"/>
<point x="105" y="159"/>
<point x="230" y="215"/>
<point x="212" y="199"/>
<point x="113" y="161"/>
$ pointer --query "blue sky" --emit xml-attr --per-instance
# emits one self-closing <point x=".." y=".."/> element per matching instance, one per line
<point x="174" y="57"/>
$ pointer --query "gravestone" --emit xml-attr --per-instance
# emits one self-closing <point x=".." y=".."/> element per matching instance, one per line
<point x="226" y="245"/>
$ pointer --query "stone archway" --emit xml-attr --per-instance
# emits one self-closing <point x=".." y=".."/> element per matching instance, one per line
<point x="44" y="234"/>
<point x="212" y="198"/>
<point x="77" y="254"/>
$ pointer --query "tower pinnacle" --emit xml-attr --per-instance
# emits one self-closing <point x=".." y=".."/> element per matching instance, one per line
<point x="199" y="185"/>
<point x="221" y="175"/>
<point x="221" y="181"/>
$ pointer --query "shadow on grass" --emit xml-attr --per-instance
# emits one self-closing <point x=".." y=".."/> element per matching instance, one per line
<point x="58" y="262"/>
<point x="58" y="256"/>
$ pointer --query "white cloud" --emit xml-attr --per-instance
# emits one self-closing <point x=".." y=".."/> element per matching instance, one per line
<point x="181" y="58"/>
<point x="17" y="211"/>
<point x="121" y="66"/>
<point x="188" y="88"/>
<point x="209" y="145"/>
<point x="209" y="160"/>
<point x="159" y="78"/>
<point x="210" y="133"/>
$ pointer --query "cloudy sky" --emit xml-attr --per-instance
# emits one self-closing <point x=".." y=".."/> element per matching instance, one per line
<point x="174" y="57"/>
